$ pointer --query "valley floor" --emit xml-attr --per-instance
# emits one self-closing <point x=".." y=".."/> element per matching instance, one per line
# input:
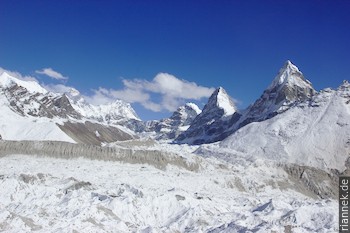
<point x="45" y="194"/>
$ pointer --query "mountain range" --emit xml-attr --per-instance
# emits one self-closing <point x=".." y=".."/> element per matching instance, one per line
<point x="289" y="113"/>
<point x="66" y="164"/>
<point x="68" y="117"/>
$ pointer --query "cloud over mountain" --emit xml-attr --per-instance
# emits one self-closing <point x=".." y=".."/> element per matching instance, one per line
<point x="51" y="73"/>
<point x="171" y="90"/>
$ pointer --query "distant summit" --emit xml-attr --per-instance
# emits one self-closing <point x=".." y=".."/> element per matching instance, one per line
<point x="220" y="103"/>
<point x="210" y="124"/>
<point x="287" y="88"/>
<point x="170" y="128"/>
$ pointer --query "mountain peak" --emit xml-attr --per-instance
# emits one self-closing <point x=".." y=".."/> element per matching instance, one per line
<point x="290" y="75"/>
<point x="287" y="88"/>
<point x="220" y="99"/>
<point x="289" y="64"/>
<point x="209" y="125"/>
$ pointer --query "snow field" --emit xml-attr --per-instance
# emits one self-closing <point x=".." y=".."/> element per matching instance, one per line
<point x="57" y="195"/>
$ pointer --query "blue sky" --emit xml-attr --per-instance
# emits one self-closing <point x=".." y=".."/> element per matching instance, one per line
<point x="106" y="48"/>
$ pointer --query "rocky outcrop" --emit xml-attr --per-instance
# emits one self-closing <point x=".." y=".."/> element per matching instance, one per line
<point x="36" y="104"/>
<point x="66" y="150"/>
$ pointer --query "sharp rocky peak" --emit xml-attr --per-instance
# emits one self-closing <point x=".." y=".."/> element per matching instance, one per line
<point x="220" y="100"/>
<point x="210" y="125"/>
<point x="288" y="87"/>
<point x="290" y="75"/>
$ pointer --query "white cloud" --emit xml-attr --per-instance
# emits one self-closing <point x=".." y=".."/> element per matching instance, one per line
<point x="173" y="92"/>
<point x="57" y="88"/>
<point x="100" y="96"/>
<point x="51" y="73"/>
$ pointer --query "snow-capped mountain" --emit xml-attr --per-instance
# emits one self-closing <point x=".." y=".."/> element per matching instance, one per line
<point x="114" y="112"/>
<point x="210" y="125"/>
<point x="312" y="133"/>
<point x="30" y="112"/>
<point x="288" y="88"/>
<point x="178" y="122"/>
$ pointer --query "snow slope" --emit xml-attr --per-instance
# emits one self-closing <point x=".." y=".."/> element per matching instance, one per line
<point x="16" y="127"/>
<point x="315" y="133"/>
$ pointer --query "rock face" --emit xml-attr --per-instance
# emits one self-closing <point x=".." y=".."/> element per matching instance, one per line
<point x="25" y="102"/>
<point x="210" y="125"/>
<point x="94" y="133"/>
<point x="320" y="183"/>
<point x="288" y="88"/>
<point x="170" y="128"/>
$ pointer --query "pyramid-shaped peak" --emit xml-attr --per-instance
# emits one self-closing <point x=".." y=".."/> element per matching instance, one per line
<point x="289" y="68"/>
<point x="290" y="65"/>
<point x="287" y="88"/>
<point x="290" y="75"/>
<point x="220" y="99"/>
<point x="219" y="91"/>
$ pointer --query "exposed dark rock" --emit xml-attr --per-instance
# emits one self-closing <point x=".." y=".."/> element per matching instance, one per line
<point x="319" y="182"/>
<point x="180" y="198"/>
<point x="93" y="133"/>
<point x="49" y="105"/>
